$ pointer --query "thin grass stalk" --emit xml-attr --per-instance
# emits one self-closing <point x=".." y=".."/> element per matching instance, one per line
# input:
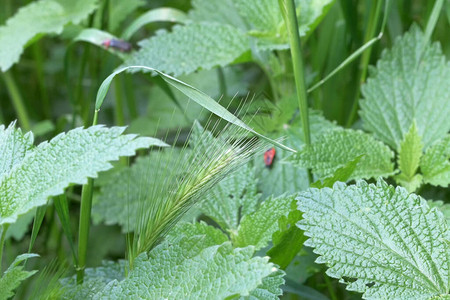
<point x="85" y="221"/>
<point x="130" y="98"/>
<point x="3" y="229"/>
<point x="17" y="101"/>
<point x="290" y="17"/>
<point x="431" y="24"/>
<point x="375" y="11"/>
<point x="118" y="111"/>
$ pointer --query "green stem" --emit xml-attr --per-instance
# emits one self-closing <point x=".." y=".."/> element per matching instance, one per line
<point x="119" y="115"/>
<point x="375" y="11"/>
<point x="288" y="9"/>
<point x="17" y="101"/>
<point x="85" y="221"/>
<point x="3" y="230"/>
<point x="131" y="99"/>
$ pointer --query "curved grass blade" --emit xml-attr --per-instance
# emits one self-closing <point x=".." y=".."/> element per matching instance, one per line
<point x="163" y="14"/>
<point x="191" y="92"/>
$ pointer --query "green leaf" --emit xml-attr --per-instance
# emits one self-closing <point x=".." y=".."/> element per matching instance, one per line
<point x="192" y="268"/>
<point x="381" y="241"/>
<point x="408" y="86"/>
<point x="288" y="239"/>
<point x="14" y="276"/>
<point x="13" y="147"/>
<point x="435" y="163"/>
<point x="95" y="279"/>
<point x="68" y="158"/>
<point x="256" y="229"/>
<point x="98" y="37"/>
<point x="342" y="174"/>
<point x="123" y="193"/>
<point x="235" y="196"/>
<point x="192" y="47"/>
<point x="35" y="19"/>
<point x="191" y="92"/>
<point x="410" y="152"/>
<point x="267" y="24"/>
<point x="162" y="14"/>
<point x="338" y="147"/>
<point x="220" y="11"/>
<point x="443" y="207"/>
<point x="269" y="289"/>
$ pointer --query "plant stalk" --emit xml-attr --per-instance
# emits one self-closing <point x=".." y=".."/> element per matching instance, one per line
<point x="85" y="221"/>
<point x="290" y="17"/>
<point x="3" y="230"/>
<point x="375" y="11"/>
<point x="17" y="101"/>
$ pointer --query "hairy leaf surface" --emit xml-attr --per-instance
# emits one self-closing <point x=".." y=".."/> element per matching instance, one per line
<point x="235" y="196"/>
<point x="435" y="163"/>
<point x="257" y="228"/>
<point x="381" y="241"/>
<point x="68" y="158"/>
<point x="408" y="86"/>
<point x="13" y="147"/>
<point x="39" y="17"/>
<point x="122" y="194"/>
<point x="220" y="11"/>
<point x="338" y="147"/>
<point x="192" y="268"/>
<point x="191" y="47"/>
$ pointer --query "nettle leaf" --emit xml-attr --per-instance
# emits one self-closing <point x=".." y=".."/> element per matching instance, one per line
<point x="266" y="21"/>
<point x="122" y="194"/>
<point x="381" y="241"/>
<point x="235" y="196"/>
<point x="220" y="11"/>
<point x="13" y="147"/>
<point x="95" y="279"/>
<point x="68" y="158"/>
<point x="269" y="289"/>
<point x="288" y="239"/>
<point x="14" y="276"/>
<point x="256" y="229"/>
<point x="39" y="17"/>
<point x="435" y="163"/>
<point x="338" y="147"/>
<point x="192" y="268"/>
<point x="443" y="207"/>
<point x="408" y="160"/>
<point x="408" y="85"/>
<point x="192" y="47"/>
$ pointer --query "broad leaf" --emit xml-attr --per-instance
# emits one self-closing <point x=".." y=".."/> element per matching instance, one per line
<point x="269" y="289"/>
<point x="408" y="86"/>
<point x="192" y="47"/>
<point x="123" y="193"/>
<point x="220" y="11"/>
<point x="408" y="160"/>
<point x="192" y="268"/>
<point x="267" y="24"/>
<point x="342" y="174"/>
<point x="14" y="276"/>
<point x="235" y="196"/>
<point x="435" y="163"/>
<point x="381" y="241"/>
<point x="338" y="147"/>
<point x="39" y="17"/>
<point x="13" y="147"/>
<point x="256" y="229"/>
<point x="95" y="279"/>
<point x="68" y="158"/>
<point x="288" y="239"/>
